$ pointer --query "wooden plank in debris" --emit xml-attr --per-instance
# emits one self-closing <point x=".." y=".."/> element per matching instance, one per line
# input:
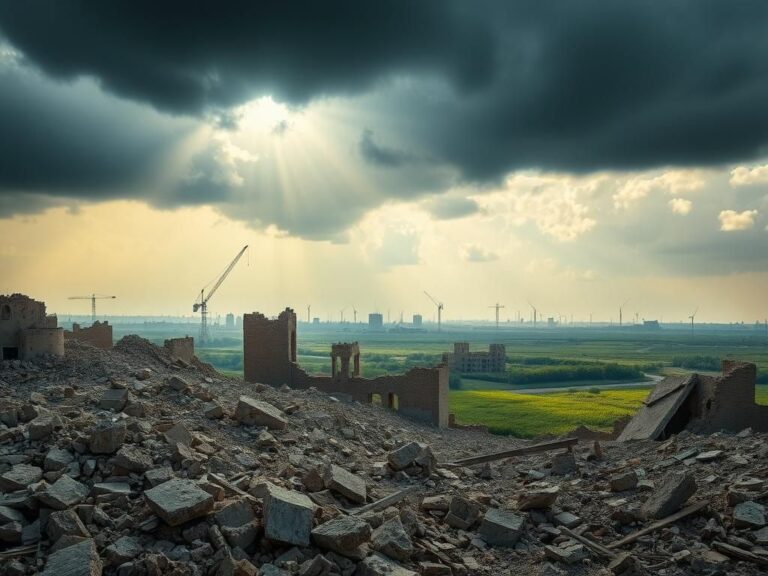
<point x="684" y="513"/>
<point x="384" y="502"/>
<point x="229" y="486"/>
<point x="740" y="553"/>
<point x="544" y="447"/>
<point x="597" y="548"/>
<point x="20" y="551"/>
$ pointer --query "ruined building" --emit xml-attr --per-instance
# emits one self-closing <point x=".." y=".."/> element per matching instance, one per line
<point x="701" y="404"/>
<point x="98" y="335"/>
<point x="463" y="361"/>
<point x="375" y="321"/>
<point x="26" y="331"/>
<point x="269" y="357"/>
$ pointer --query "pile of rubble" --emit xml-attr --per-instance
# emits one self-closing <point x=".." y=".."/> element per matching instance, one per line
<point x="130" y="462"/>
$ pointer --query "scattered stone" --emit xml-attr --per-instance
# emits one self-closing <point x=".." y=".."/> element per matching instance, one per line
<point x="77" y="560"/>
<point x="114" y="399"/>
<point x="257" y="413"/>
<point x="392" y="540"/>
<point x="57" y="459"/>
<point x="749" y="515"/>
<point x="19" y="477"/>
<point x="64" y="493"/>
<point x="413" y="453"/>
<point x="178" y="384"/>
<point x="107" y="437"/>
<point x="462" y="513"/>
<point x="65" y="523"/>
<point x="623" y="481"/>
<point x="179" y="434"/>
<point x="123" y="550"/>
<point x="709" y="456"/>
<point x="501" y="527"/>
<point x="213" y="410"/>
<point x="673" y="492"/>
<point x="564" y="464"/>
<point x="439" y="503"/>
<point x="349" y="485"/>
<point x="379" y="565"/>
<point x="133" y="459"/>
<point x="178" y="501"/>
<point x="344" y="534"/>
<point x="536" y="497"/>
<point x="571" y="554"/>
<point x="287" y="516"/>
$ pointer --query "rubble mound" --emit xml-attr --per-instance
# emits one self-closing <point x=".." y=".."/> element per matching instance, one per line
<point x="131" y="462"/>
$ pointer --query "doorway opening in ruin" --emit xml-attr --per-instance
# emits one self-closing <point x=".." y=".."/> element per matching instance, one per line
<point x="5" y="312"/>
<point x="394" y="401"/>
<point x="376" y="399"/>
<point x="10" y="353"/>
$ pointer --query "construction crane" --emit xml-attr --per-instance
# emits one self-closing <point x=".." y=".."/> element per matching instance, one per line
<point x="440" y="307"/>
<point x="202" y="302"/>
<point x="535" y="312"/>
<point x="692" y="317"/>
<point x="498" y="307"/>
<point x="93" y="298"/>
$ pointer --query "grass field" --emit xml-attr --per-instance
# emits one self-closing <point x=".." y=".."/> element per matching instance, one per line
<point x="528" y="415"/>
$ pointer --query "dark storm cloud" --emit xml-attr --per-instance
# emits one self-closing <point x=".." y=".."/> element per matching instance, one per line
<point x="379" y="155"/>
<point x="548" y="84"/>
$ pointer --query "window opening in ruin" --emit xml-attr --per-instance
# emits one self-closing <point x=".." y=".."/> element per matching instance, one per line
<point x="394" y="401"/>
<point x="376" y="399"/>
<point x="10" y="353"/>
<point x="5" y="312"/>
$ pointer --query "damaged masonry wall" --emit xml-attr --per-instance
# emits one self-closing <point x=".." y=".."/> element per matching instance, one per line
<point x="181" y="348"/>
<point x="702" y="404"/>
<point x="269" y="357"/>
<point x="26" y="331"/>
<point x="98" y="335"/>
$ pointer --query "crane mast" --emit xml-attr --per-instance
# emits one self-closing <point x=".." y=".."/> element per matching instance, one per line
<point x="202" y="302"/>
<point x="92" y="298"/>
<point x="439" y="309"/>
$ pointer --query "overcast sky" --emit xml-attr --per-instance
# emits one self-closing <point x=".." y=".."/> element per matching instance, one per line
<point x="574" y="154"/>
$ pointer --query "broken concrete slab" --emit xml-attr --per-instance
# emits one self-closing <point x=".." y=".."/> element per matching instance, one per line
<point x="107" y="437"/>
<point x="114" y="399"/>
<point x="344" y="482"/>
<point x="659" y="408"/>
<point x="343" y="534"/>
<point x="749" y="515"/>
<point x="287" y="516"/>
<point x="257" y="413"/>
<point x="19" y="477"/>
<point x="57" y="459"/>
<point x="392" y="540"/>
<point x="123" y="550"/>
<point x="379" y="565"/>
<point x="77" y="560"/>
<point x="178" y="501"/>
<point x="538" y="496"/>
<point x="462" y="512"/>
<point x="669" y="496"/>
<point x="413" y="453"/>
<point x="133" y="459"/>
<point x="65" y="523"/>
<point x="501" y="527"/>
<point x="63" y="494"/>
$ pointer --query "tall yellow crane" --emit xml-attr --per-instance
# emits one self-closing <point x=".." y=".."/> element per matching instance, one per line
<point x="92" y="298"/>
<point x="202" y="301"/>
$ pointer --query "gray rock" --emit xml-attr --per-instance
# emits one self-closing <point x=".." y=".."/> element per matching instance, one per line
<point x="623" y="481"/>
<point x="749" y="515"/>
<point x="8" y="514"/>
<point x="538" y="497"/>
<point x="157" y="476"/>
<point x="19" y="477"/>
<point x="43" y="426"/>
<point x="213" y="410"/>
<point x="439" y="502"/>
<point x="564" y="464"/>
<point x="317" y="566"/>
<point x="287" y="516"/>
<point x="257" y="413"/>
<point x="178" y="383"/>
<point x="349" y="485"/>
<point x="237" y="523"/>
<point x="111" y="488"/>
<point x="107" y="437"/>
<point x="413" y="453"/>
<point x="57" y="459"/>
<point x="123" y="550"/>
<point x="133" y="459"/>
<point x="379" y="565"/>
<point x="63" y="494"/>
<point x="114" y="399"/>
<point x="501" y="527"/>
<point x="392" y="540"/>
<point x="11" y="532"/>
<point x="77" y="560"/>
<point x="179" y="435"/>
<point x="673" y="491"/>
<point x="65" y="523"/>
<point x="567" y="519"/>
<point x="570" y="554"/>
<point x="178" y="501"/>
<point x="343" y="534"/>
<point x="462" y="513"/>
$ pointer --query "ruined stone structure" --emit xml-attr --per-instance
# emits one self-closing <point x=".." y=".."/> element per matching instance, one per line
<point x="98" y="335"/>
<point x="26" y="331"/>
<point x="181" y="348"/>
<point x="269" y="357"/>
<point x="417" y="321"/>
<point x="701" y="404"/>
<point x="464" y="361"/>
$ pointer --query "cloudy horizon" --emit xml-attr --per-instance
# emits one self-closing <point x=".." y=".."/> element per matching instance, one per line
<point x="575" y="155"/>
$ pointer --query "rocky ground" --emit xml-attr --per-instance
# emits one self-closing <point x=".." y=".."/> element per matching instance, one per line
<point x="129" y="462"/>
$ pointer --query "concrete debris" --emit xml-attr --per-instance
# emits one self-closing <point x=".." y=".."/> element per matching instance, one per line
<point x="294" y="483"/>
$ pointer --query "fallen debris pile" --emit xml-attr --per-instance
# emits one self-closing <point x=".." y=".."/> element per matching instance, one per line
<point x="129" y="462"/>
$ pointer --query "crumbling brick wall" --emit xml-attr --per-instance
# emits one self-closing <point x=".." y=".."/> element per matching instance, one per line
<point x="26" y="331"/>
<point x="98" y="335"/>
<point x="727" y="402"/>
<point x="182" y="348"/>
<point x="269" y="357"/>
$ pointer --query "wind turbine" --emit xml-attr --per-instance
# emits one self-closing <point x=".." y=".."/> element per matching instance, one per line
<point x="440" y="307"/>
<point x="534" y="312"/>
<point x="621" y="311"/>
<point x="354" y="313"/>
<point x="692" y="317"/>
<point x="341" y="314"/>
<point x="497" y="306"/>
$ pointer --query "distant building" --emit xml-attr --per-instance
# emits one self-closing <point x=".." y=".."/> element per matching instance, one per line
<point x="463" y="361"/>
<point x="417" y="320"/>
<point x="316" y="321"/>
<point x="26" y="331"/>
<point x="229" y="322"/>
<point x="375" y="321"/>
<point x="651" y="324"/>
<point x="239" y="322"/>
<point x="551" y="322"/>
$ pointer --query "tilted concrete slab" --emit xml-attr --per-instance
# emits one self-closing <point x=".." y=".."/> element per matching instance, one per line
<point x="659" y="408"/>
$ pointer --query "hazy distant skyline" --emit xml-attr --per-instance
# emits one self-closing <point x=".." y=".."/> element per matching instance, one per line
<point x="572" y="154"/>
